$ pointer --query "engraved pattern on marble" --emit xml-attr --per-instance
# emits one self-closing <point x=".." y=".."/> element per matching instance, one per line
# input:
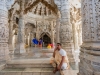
<point x="91" y="9"/>
<point x="4" y="31"/>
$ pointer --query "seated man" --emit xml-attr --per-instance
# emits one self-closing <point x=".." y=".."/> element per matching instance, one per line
<point x="60" y="58"/>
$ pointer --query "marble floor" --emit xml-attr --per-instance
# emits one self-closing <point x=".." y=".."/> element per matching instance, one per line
<point x="33" y="53"/>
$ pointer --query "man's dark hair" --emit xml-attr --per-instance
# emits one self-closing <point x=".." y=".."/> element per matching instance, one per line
<point x="59" y="44"/>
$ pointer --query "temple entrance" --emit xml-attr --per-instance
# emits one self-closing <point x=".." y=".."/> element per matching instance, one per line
<point x="46" y="40"/>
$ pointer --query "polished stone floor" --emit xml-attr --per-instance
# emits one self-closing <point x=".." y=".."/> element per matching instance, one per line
<point x="33" y="53"/>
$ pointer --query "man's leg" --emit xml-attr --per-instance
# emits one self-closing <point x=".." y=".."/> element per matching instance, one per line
<point x="64" y="66"/>
<point x="54" y="64"/>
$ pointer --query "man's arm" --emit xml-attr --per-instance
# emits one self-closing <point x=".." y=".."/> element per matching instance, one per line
<point x="54" y="52"/>
<point x="61" y="63"/>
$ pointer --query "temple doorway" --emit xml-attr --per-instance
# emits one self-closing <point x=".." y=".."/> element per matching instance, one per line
<point x="46" y="39"/>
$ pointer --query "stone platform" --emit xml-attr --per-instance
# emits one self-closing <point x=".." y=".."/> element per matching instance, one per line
<point x="33" y="61"/>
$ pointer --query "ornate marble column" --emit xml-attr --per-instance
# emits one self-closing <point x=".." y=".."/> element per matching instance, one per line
<point x="58" y="28"/>
<point x="52" y="32"/>
<point x="65" y="27"/>
<point x="10" y="35"/>
<point x="76" y="46"/>
<point x="4" y="31"/>
<point x="21" y="42"/>
<point x="90" y="49"/>
<point x="37" y="30"/>
<point x="80" y="35"/>
<point x="47" y="11"/>
<point x="29" y="39"/>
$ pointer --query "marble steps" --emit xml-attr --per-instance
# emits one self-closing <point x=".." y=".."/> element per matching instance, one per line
<point x="28" y="71"/>
<point x="28" y="67"/>
<point x="42" y="72"/>
<point x="35" y="63"/>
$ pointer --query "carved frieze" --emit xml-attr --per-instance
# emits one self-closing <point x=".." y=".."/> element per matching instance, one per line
<point x="91" y="20"/>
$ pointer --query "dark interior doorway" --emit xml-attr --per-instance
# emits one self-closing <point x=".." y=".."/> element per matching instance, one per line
<point x="46" y="40"/>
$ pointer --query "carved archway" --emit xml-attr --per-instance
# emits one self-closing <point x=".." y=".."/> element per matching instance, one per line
<point x="46" y="38"/>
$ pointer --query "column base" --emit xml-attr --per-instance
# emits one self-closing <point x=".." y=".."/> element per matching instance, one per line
<point x="4" y="52"/>
<point x="11" y="50"/>
<point x="20" y="48"/>
<point x="89" y="62"/>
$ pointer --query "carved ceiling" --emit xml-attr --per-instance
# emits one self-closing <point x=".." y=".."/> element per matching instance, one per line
<point x="41" y="9"/>
<point x="44" y="6"/>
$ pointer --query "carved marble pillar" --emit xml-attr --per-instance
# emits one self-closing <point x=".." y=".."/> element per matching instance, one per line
<point x="66" y="29"/>
<point x="42" y="11"/>
<point x="10" y="35"/>
<point x="58" y="30"/>
<point x="80" y="35"/>
<point x="75" y="32"/>
<point x="4" y="31"/>
<point x="20" y="39"/>
<point x="37" y="31"/>
<point x="90" y="49"/>
<point x="47" y="13"/>
<point x="29" y="39"/>
<point x="14" y="41"/>
<point x="52" y="32"/>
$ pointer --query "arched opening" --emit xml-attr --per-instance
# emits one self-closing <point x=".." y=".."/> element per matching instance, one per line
<point x="29" y="33"/>
<point x="46" y="40"/>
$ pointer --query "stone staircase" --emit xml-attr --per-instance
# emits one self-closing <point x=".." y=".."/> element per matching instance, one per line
<point x="35" y="65"/>
<point x="28" y="67"/>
